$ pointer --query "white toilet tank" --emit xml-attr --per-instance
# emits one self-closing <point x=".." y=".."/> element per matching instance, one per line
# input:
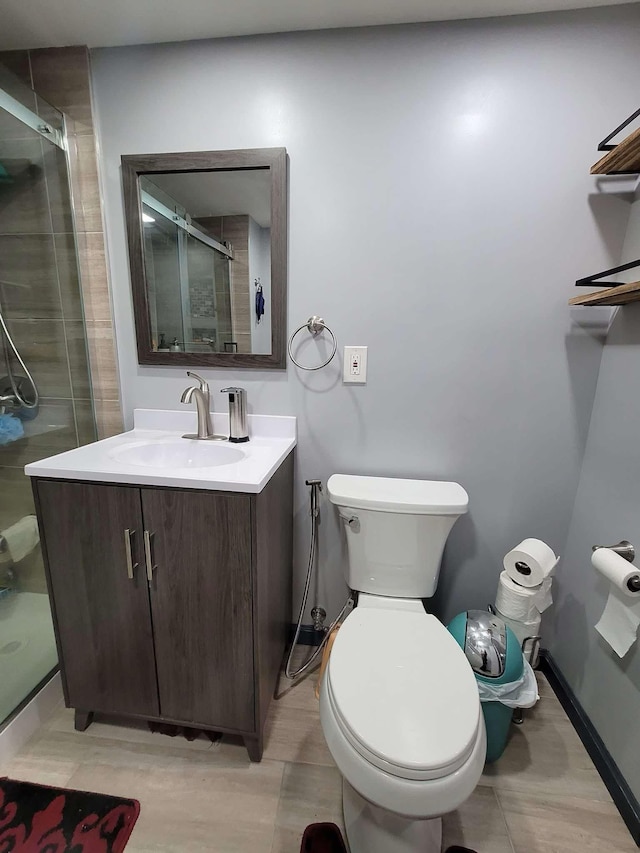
<point x="396" y="531"/>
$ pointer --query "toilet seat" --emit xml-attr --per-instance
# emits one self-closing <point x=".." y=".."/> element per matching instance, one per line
<point x="402" y="691"/>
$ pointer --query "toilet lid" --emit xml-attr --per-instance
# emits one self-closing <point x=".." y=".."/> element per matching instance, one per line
<point x="403" y="692"/>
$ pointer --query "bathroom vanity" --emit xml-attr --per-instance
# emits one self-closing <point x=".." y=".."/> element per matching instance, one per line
<point x="170" y="580"/>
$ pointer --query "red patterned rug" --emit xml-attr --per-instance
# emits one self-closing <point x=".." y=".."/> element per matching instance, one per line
<point x="40" y="819"/>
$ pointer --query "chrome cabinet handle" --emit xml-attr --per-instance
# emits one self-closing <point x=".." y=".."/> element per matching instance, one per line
<point x="147" y="555"/>
<point x="128" y="535"/>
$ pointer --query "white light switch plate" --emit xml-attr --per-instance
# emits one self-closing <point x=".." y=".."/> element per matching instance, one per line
<point x="354" y="365"/>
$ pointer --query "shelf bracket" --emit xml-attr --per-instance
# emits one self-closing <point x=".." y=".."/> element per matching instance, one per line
<point x="604" y="145"/>
<point x="622" y="158"/>
<point x="593" y="279"/>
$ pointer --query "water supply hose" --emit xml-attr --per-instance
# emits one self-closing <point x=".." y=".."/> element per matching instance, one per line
<point x="314" y="511"/>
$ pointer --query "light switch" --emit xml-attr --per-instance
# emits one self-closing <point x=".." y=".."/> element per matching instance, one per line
<point x="354" y="367"/>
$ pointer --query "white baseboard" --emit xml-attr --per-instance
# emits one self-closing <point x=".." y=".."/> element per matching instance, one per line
<point x="28" y="721"/>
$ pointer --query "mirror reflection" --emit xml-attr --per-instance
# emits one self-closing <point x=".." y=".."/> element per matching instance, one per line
<point x="207" y="259"/>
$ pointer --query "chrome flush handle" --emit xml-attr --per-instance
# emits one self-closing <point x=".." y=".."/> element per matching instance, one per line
<point x="352" y="521"/>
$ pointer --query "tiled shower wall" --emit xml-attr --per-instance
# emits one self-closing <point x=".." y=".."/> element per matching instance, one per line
<point x="62" y="77"/>
<point x="235" y="229"/>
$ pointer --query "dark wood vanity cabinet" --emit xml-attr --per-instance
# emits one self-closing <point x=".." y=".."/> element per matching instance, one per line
<point x="170" y="604"/>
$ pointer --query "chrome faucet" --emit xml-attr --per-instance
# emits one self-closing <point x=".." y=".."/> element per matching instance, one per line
<point x="203" y="400"/>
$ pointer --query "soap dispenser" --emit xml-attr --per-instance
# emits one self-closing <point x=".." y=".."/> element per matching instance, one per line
<point x="238" y="431"/>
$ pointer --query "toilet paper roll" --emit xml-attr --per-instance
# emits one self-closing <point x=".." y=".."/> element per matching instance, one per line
<point x="530" y="562"/>
<point x="523" y="630"/>
<point x="22" y="537"/>
<point x="619" y="622"/>
<point x="515" y="601"/>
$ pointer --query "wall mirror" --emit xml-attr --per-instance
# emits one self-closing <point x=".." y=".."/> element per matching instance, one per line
<point x="207" y="234"/>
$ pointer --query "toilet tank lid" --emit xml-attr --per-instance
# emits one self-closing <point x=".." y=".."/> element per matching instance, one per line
<point x="387" y="494"/>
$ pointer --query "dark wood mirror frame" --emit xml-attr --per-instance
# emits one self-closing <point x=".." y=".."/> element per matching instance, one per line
<point x="275" y="159"/>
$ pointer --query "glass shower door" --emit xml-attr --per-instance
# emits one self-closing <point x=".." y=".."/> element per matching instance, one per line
<point x="45" y="391"/>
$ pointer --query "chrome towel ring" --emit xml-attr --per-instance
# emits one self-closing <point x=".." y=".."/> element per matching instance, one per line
<point x="315" y="325"/>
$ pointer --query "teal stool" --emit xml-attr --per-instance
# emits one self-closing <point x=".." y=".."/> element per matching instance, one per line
<point x="497" y="717"/>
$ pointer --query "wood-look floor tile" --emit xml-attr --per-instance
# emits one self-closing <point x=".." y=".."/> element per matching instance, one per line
<point x="299" y="693"/>
<point x="309" y="794"/>
<point x="192" y="805"/>
<point x="294" y="733"/>
<point x="129" y="751"/>
<point x="549" y="704"/>
<point x="546" y="756"/>
<point x="202" y="797"/>
<point x="556" y="824"/>
<point x="32" y="767"/>
<point x="126" y="732"/>
<point x="478" y="824"/>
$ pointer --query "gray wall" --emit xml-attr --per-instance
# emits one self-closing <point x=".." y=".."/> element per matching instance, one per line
<point x="606" y="510"/>
<point x="440" y="210"/>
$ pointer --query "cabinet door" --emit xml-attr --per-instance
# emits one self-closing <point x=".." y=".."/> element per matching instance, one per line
<point x="103" y="617"/>
<point x="201" y="604"/>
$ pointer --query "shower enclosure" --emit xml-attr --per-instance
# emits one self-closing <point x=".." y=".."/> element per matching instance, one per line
<point x="45" y="390"/>
<point x="188" y="278"/>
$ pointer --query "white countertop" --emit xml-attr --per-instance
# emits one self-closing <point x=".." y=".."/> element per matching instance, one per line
<point x="272" y="438"/>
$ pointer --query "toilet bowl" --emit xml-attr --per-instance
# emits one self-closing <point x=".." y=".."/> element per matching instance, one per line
<point x="401" y="716"/>
<point x="399" y="704"/>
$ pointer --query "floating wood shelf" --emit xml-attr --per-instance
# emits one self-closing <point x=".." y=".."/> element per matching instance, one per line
<point x="625" y="157"/>
<point x="623" y="294"/>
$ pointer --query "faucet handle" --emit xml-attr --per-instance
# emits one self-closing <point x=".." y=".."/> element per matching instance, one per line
<point x="204" y="386"/>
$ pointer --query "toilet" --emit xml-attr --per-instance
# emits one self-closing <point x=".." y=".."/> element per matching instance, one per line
<point x="399" y="704"/>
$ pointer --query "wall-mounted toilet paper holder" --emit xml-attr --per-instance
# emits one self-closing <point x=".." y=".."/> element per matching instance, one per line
<point x="624" y="549"/>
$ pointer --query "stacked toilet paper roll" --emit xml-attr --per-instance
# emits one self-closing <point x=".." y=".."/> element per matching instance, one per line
<point x="524" y="587"/>
<point x="21" y="538"/>
<point x="524" y="630"/>
<point x="619" y="622"/>
<point x="521" y="602"/>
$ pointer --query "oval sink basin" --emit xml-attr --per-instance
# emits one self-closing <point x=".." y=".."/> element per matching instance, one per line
<point x="177" y="453"/>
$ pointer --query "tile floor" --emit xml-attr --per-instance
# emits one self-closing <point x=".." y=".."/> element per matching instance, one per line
<point x="543" y="796"/>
